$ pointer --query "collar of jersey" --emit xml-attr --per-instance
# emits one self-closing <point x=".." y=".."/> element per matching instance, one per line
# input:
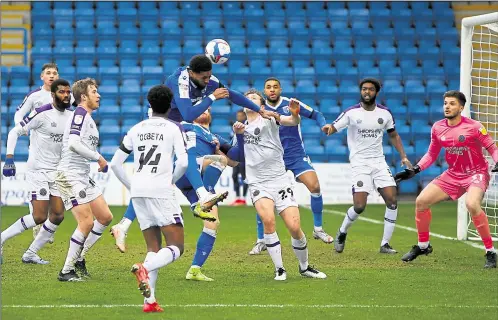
<point x="276" y="106"/>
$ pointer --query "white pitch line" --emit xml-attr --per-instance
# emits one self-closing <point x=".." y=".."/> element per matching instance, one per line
<point x="374" y="221"/>
<point x="269" y="306"/>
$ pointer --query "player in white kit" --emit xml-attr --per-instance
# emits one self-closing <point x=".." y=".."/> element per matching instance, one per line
<point x="45" y="126"/>
<point x="78" y="191"/>
<point x="366" y="123"/>
<point x="269" y="185"/>
<point x="155" y="142"/>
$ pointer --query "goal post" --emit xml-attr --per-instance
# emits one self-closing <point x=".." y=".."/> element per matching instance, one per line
<point x="479" y="83"/>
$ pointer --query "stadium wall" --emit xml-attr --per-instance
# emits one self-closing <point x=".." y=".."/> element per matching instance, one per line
<point x="335" y="181"/>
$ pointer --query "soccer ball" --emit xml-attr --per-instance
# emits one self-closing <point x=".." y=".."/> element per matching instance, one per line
<point x="218" y="51"/>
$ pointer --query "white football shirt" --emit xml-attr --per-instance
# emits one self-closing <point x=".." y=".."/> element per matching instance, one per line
<point x="264" y="155"/>
<point x="33" y="99"/>
<point x="155" y="142"/>
<point x="365" y="132"/>
<point x="80" y="124"/>
<point x="46" y="128"/>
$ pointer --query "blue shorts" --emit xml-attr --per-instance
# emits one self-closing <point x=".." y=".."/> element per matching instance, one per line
<point x="298" y="166"/>
<point x="188" y="191"/>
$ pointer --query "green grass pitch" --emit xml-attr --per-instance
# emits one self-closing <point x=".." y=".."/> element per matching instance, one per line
<point x="449" y="284"/>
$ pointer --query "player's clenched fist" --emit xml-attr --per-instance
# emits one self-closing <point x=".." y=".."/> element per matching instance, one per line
<point x="239" y="127"/>
<point x="9" y="168"/>
<point x="327" y="129"/>
<point x="221" y="93"/>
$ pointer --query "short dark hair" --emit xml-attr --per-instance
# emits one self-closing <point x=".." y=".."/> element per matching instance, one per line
<point x="272" y="79"/>
<point x="200" y="63"/>
<point x="456" y="94"/>
<point x="50" y="65"/>
<point x="160" y="97"/>
<point x="254" y="91"/>
<point x="373" y="81"/>
<point x="57" y="83"/>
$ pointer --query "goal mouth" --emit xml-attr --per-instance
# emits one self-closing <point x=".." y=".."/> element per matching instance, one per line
<point x="479" y="83"/>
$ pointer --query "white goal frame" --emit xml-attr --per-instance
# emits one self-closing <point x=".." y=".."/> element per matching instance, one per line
<point x="466" y="87"/>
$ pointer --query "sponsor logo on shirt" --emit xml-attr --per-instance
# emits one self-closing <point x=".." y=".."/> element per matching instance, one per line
<point x="457" y="150"/>
<point x="94" y="141"/>
<point x="250" y="139"/>
<point x="370" y="133"/>
<point x="56" y="137"/>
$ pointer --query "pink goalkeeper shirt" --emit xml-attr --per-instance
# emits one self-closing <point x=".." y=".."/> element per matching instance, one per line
<point x="463" y="145"/>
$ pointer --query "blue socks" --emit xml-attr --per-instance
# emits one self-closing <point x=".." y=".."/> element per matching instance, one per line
<point x="261" y="235"/>
<point x="211" y="176"/>
<point x="317" y="209"/>
<point x="204" y="246"/>
<point x="130" y="212"/>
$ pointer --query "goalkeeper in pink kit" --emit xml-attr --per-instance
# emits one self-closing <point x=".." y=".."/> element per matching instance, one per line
<point x="463" y="140"/>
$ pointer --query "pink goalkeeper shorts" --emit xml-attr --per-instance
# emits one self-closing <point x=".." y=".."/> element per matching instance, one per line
<point x="455" y="187"/>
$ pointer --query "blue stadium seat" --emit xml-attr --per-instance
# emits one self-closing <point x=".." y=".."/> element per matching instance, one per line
<point x="337" y="13"/>
<point x="253" y="9"/>
<point x="109" y="112"/>
<point x="231" y="9"/>
<point x="274" y="10"/>
<point x="106" y="30"/>
<point x="340" y="27"/>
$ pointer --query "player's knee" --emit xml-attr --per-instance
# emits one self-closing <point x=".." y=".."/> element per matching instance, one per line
<point x="359" y="208"/>
<point x="56" y="218"/>
<point x="39" y="218"/>
<point x="473" y="207"/>
<point x="392" y="203"/>
<point x="105" y="219"/>
<point x="269" y="226"/>
<point x="421" y="203"/>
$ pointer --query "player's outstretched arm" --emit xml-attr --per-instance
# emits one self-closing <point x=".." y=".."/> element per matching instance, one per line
<point x="117" y="165"/>
<point x="191" y="112"/>
<point x="236" y="153"/>
<point x="310" y="113"/>
<point x="294" y="119"/>
<point x="398" y="144"/>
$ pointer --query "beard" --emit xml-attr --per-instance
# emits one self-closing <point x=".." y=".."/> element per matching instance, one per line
<point x="61" y="104"/>
<point x="204" y="119"/>
<point x="372" y="100"/>
<point x="199" y="84"/>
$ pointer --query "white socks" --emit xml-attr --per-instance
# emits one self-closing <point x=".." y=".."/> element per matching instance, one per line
<point x="46" y="231"/>
<point x="350" y="217"/>
<point x="152" y="279"/>
<point x="274" y="249"/>
<point x="93" y="237"/>
<point x="75" y="247"/>
<point x="125" y="224"/>
<point x="301" y="250"/>
<point x="18" y="227"/>
<point x="162" y="258"/>
<point x="389" y="223"/>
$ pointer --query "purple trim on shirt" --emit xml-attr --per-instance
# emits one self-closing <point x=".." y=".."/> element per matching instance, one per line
<point x="385" y="108"/>
<point x="356" y="106"/>
<point x="76" y="127"/>
<point x="26" y="98"/>
<point x="38" y="110"/>
<point x="45" y="107"/>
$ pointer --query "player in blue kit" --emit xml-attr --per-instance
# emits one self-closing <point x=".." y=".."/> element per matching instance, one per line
<point x="295" y="158"/>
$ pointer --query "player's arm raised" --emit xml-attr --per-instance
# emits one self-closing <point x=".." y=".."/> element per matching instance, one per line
<point x="118" y="160"/>
<point x="487" y="142"/>
<point x="23" y="108"/>
<point x="241" y="100"/>
<point x="294" y="119"/>
<point x="341" y="123"/>
<point x="310" y="113"/>
<point x="191" y="112"/>
<point x="426" y="161"/>
<point x="236" y="153"/>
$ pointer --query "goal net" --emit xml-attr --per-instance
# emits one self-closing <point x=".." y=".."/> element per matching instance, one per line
<point x="479" y="81"/>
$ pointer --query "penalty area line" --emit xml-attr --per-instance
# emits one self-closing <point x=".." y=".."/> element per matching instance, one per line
<point x="269" y="306"/>
<point x="398" y="226"/>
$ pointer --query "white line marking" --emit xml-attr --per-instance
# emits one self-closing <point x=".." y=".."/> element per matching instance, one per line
<point x="274" y="306"/>
<point x="436" y="235"/>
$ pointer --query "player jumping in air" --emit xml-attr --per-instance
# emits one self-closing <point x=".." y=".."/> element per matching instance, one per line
<point x="45" y="125"/>
<point x="270" y="187"/>
<point x="78" y="191"/>
<point x="366" y="123"/>
<point x="463" y="140"/>
<point x="155" y="142"/>
<point x="194" y="89"/>
<point x="295" y="158"/>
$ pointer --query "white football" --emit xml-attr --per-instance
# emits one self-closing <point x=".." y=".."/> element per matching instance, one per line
<point x="218" y="51"/>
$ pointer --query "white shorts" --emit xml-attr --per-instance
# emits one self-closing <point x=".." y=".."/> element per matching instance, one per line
<point x="281" y="191"/>
<point x="75" y="189"/>
<point x="370" y="177"/>
<point x="42" y="185"/>
<point x="156" y="212"/>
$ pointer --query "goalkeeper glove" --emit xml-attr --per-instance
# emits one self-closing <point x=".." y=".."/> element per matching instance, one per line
<point x="495" y="168"/>
<point x="406" y="174"/>
<point x="9" y="168"/>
